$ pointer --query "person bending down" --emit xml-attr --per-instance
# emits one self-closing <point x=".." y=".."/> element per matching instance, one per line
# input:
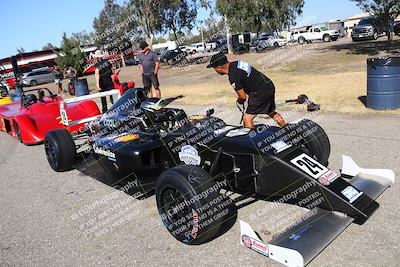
<point x="251" y="85"/>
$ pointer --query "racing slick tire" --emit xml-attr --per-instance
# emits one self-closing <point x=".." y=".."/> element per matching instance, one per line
<point x="60" y="150"/>
<point x="317" y="142"/>
<point x="190" y="205"/>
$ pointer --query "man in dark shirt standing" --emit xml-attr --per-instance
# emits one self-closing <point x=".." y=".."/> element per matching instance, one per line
<point x="102" y="73"/>
<point x="249" y="83"/>
<point x="149" y="66"/>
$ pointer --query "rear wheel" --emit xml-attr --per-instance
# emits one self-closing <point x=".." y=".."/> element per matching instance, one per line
<point x="60" y="150"/>
<point x="190" y="205"/>
<point x="276" y="44"/>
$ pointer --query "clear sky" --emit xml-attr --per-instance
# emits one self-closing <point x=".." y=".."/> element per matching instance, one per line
<point x="33" y="23"/>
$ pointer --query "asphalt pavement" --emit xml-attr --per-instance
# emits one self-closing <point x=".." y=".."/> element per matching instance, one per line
<point x="71" y="219"/>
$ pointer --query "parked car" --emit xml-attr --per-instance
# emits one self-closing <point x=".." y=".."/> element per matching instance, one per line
<point x="132" y="61"/>
<point x="316" y="33"/>
<point x="38" y="112"/>
<point x="237" y="47"/>
<point x="184" y="48"/>
<point x="211" y="46"/>
<point x="195" y="48"/>
<point x="38" y="77"/>
<point x="172" y="56"/>
<point x="369" y="28"/>
<point x="396" y="27"/>
<point x="269" y="41"/>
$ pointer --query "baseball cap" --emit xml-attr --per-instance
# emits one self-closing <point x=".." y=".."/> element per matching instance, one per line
<point x="143" y="45"/>
<point x="217" y="60"/>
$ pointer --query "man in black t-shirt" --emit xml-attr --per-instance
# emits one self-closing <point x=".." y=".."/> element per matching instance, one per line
<point x="249" y="83"/>
<point x="102" y="73"/>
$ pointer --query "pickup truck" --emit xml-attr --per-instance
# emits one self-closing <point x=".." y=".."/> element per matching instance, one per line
<point x="316" y="33"/>
<point x="369" y="28"/>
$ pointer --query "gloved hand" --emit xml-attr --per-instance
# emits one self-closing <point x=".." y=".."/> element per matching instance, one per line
<point x="240" y="106"/>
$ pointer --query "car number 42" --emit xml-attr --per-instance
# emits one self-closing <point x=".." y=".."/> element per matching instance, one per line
<point x="309" y="166"/>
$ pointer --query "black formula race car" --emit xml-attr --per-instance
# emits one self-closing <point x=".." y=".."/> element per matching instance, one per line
<point x="194" y="163"/>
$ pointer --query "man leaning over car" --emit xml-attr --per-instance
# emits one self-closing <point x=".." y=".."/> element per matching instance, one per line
<point x="249" y="83"/>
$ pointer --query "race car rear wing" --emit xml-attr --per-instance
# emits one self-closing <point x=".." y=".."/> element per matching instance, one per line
<point x="116" y="94"/>
<point x="300" y="244"/>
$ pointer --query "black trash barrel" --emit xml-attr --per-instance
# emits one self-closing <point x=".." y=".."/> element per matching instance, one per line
<point x="81" y="87"/>
<point x="383" y="83"/>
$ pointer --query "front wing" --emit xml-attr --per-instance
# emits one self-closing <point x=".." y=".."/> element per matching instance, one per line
<point x="300" y="244"/>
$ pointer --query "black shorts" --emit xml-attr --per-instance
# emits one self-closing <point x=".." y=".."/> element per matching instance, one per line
<point x="150" y="80"/>
<point x="262" y="103"/>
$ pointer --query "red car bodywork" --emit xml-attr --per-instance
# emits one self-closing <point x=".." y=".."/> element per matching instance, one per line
<point x="39" y="118"/>
<point x="122" y="87"/>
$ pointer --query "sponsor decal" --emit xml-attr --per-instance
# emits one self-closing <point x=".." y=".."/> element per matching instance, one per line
<point x="196" y="117"/>
<point x="309" y="166"/>
<point x="104" y="152"/>
<point x="255" y="245"/>
<point x="246" y="241"/>
<point x="195" y="228"/>
<point x="127" y="138"/>
<point x="328" y="178"/>
<point x="223" y="130"/>
<point x="189" y="155"/>
<point x="192" y="179"/>
<point x="242" y="65"/>
<point x="351" y="193"/>
<point x="238" y="132"/>
<point x="280" y="146"/>
<point x="299" y="234"/>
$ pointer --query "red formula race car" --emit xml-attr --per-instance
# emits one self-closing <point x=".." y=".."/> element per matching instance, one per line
<point x="38" y="113"/>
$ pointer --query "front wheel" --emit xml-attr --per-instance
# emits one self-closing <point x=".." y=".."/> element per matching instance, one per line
<point x="376" y="35"/>
<point x="327" y="38"/>
<point x="190" y="205"/>
<point x="316" y="141"/>
<point x="276" y="44"/>
<point x="60" y="150"/>
<point x="302" y="40"/>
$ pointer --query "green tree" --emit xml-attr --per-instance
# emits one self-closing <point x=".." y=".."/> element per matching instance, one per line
<point x="162" y="16"/>
<point x="48" y="46"/>
<point x="257" y="15"/>
<point x="85" y="38"/>
<point x="114" y="27"/>
<point x="146" y="14"/>
<point x="387" y="10"/>
<point x="20" y="50"/>
<point x="71" y="54"/>
<point x="177" y="15"/>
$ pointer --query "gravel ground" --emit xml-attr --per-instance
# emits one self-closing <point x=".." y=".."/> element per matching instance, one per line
<point x="50" y="219"/>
